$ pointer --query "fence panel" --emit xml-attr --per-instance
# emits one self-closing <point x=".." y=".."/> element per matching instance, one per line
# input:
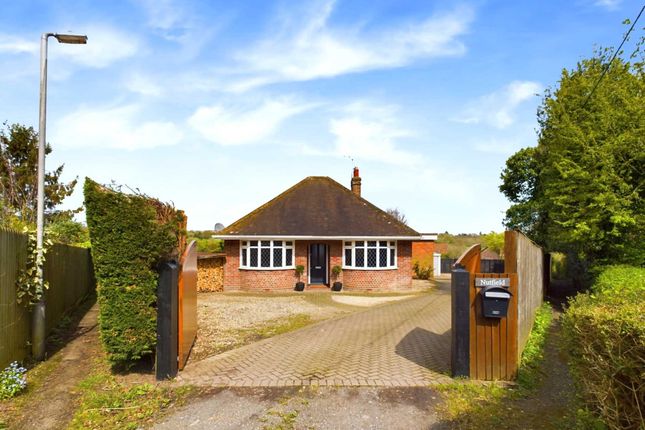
<point x="70" y="274"/>
<point x="446" y="264"/>
<point x="525" y="258"/>
<point x="14" y="318"/>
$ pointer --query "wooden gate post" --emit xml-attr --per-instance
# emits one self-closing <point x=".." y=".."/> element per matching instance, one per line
<point x="460" y="322"/>
<point x="166" y="357"/>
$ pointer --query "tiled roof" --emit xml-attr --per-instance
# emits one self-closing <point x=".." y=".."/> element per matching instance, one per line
<point x="318" y="206"/>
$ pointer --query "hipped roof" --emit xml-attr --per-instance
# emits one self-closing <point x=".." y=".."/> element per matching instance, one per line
<point x="319" y="206"/>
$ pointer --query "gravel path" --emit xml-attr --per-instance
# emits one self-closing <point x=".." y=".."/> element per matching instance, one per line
<point x="228" y="321"/>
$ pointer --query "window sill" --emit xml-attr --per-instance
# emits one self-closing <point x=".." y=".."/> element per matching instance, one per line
<point x="261" y="269"/>
<point x="370" y="269"/>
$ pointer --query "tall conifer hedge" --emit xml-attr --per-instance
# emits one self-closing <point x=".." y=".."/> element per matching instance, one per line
<point x="130" y="235"/>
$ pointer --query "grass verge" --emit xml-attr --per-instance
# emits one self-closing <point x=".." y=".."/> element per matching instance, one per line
<point x="472" y="404"/>
<point x="106" y="403"/>
<point x="279" y="326"/>
<point x="11" y="409"/>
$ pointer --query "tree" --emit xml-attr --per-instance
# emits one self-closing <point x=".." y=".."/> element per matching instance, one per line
<point x="581" y="190"/>
<point x="69" y="232"/>
<point x="18" y="177"/>
<point x="494" y="241"/>
<point x="396" y="213"/>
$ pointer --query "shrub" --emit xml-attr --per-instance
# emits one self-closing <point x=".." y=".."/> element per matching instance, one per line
<point x="604" y="332"/>
<point x="620" y="281"/>
<point x="208" y="245"/>
<point x="130" y="235"/>
<point x="423" y="267"/>
<point x="12" y="380"/>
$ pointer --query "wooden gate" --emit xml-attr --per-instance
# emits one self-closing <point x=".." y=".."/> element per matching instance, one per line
<point x="493" y="341"/>
<point x="482" y="348"/>
<point x="187" y="303"/>
<point x="490" y="348"/>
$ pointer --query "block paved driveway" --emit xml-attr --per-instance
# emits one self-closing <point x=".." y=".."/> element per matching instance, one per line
<point x="403" y="343"/>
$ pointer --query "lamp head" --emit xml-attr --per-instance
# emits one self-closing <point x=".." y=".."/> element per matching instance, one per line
<point x="76" y="39"/>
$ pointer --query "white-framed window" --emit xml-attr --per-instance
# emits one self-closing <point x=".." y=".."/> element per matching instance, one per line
<point x="369" y="254"/>
<point x="266" y="254"/>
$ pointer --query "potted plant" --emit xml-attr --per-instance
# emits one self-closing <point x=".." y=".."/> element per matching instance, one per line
<point x="335" y="271"/>
<point x="300" y="269"/>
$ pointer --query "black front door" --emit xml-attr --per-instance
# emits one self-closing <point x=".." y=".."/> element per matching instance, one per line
<point x="317" y="263"/>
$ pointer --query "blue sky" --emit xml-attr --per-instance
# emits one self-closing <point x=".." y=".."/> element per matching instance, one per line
<point x="220" y="106"/>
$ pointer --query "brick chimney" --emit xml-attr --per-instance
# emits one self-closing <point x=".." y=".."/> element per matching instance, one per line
<point x="356" y="183"/>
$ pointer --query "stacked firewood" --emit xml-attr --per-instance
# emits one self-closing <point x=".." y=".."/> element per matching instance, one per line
<point x="210" y="274"/>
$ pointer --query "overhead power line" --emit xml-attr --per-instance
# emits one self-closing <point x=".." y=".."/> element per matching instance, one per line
<point x="604" y="72"/>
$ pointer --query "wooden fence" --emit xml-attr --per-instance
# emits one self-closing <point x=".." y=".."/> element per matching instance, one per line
<point x="14" y="318"/>
<point x="68" y="270"/>
<point x="490" y="348"/>
<point x="527" y="259"/>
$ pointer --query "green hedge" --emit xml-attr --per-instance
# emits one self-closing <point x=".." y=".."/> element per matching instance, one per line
<point x="130" y="235"/>
<point x="604" y="333"/>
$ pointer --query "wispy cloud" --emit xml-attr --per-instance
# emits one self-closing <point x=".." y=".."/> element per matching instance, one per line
<point x="118" y="127"/>
<point x="608" y="4"/>
<point x="301" y="48"/>
<point x="239" y="125"/>
<point x="105" y="46"/>
<point x="498" y="108"/>
<point x="17" y="45"/>
<point x="370" y="132"/>
<point x="140" y="84"/>
<point x="163" y="14"/>
<point x="303" y="44"/>
<point x="178" y="21"/>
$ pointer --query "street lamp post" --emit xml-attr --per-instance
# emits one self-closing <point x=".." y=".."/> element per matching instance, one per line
<point x="38" y="315"/>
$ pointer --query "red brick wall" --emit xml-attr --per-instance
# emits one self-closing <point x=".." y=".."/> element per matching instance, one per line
<point x="272" y="280"/>
<point x="383" y="280"/>
<point x="422" y="250"/>
<point x="256" y="280"/>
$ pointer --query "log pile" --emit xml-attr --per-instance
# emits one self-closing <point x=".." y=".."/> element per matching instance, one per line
<point x="210" y="274"/>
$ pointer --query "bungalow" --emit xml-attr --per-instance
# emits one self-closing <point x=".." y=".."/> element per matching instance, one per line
<point x="318" y="224"/>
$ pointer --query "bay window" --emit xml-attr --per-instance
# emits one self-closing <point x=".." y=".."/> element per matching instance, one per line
<point x="369" y="254"/>
<point x="266" y="254"/>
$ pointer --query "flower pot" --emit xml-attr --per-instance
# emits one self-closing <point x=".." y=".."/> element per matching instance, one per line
<point x="300" y="286"/>
<point x="337" y="286"/>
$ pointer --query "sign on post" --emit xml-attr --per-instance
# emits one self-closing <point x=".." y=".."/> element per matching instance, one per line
<point x="492" y="282"/>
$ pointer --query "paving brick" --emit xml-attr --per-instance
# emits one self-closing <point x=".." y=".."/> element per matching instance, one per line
<point x="403" y="343"/>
